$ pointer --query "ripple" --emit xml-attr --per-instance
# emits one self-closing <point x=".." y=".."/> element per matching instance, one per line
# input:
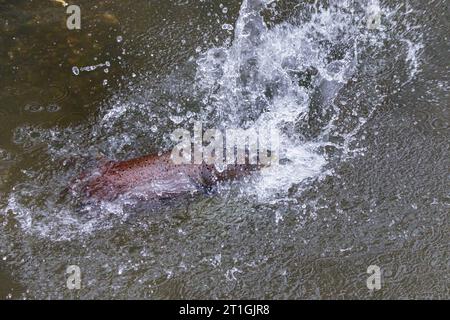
<point x="378" y="66"/>
<point x="58" y="93"/>
<point x="11" y="91"/>
<point x="430" y="121"/>
<point x="439" y="124"/>
<point x="53" y="108"/>
<point x="422" y="115"/>
<point x="34" y="107"/>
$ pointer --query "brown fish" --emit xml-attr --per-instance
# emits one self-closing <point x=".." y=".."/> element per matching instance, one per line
<point x="155" y="177"/>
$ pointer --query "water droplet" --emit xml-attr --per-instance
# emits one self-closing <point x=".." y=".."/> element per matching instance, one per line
<point x="176" y="119"/>
<point x="75" y="71"/>
<point x="227" y="26"/>
<point x="119" y="39"/>
<point x="105" y="82"/>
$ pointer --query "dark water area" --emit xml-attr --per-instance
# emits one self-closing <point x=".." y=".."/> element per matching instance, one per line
<point x="363" y="109"/>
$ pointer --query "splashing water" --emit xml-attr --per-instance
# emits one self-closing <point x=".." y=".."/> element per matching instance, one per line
<point x="289" y="77"/>
<point x="292" y="76"/>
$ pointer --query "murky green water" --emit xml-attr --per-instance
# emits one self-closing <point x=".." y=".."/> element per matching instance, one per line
<point x="380" y="196"/>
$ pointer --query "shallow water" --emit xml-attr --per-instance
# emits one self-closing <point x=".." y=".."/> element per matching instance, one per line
<point x="363" y="112"/>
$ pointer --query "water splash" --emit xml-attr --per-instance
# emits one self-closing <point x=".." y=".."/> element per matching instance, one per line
<point x="77" y="70"/>
<point x="291" y="76"/>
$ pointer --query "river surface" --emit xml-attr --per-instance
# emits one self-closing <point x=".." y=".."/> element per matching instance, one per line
<point x="359" y="91"/>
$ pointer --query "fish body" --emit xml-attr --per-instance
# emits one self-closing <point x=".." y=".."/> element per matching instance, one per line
<point x="155" y="177"/>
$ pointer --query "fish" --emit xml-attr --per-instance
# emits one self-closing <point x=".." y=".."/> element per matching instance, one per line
<point x="157" y="176"/>
<point x="153" y="177"/>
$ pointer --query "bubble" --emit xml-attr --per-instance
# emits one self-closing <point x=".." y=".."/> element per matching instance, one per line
<point x="119" y="39"/>
<point x="75" y="71"/>
<point x="89" y="68"/>
<point x="228" y="27"/>
<point x="105" y="82"/>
